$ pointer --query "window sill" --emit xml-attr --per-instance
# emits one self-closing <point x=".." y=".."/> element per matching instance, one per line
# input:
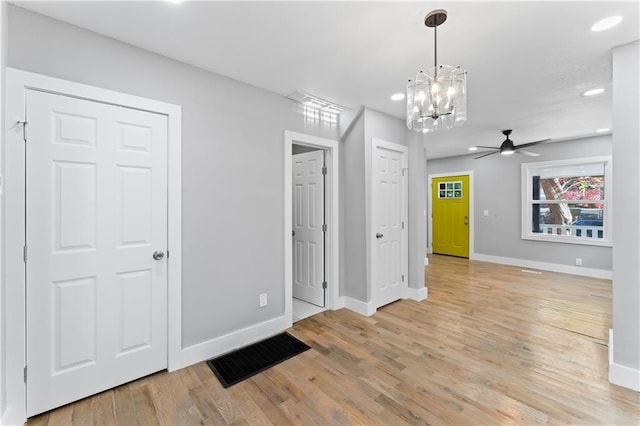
<point x="567" y="239"/>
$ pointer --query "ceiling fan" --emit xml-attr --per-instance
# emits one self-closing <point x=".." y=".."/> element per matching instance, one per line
<point x="508" y="148"/>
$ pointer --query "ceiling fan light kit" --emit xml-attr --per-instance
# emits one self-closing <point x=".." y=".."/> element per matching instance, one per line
<point x="437" y="99"/>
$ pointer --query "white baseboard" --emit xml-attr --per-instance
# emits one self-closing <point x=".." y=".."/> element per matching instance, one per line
<point x="621" y="375"/>
<point x="13" y="417"/>
<point x="417" y="294"/>
<point x="553" y="267"/>
<point x="237" y="339"/>
<point x="426" y="261"/>
<point x="363" y="308"/>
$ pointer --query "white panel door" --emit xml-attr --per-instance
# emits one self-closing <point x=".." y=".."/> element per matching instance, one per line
<point x="96" y="213"/>
<point x="389" y="246"/>
<point x="308" y="218"/>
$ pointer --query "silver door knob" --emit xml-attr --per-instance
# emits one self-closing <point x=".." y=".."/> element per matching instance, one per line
<point x="158" y="255"/>
<point x="379" y="235"/>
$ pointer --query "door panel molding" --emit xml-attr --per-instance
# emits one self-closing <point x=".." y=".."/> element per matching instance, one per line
<point x="471" y="208"/>
<point x="17" y="83"/>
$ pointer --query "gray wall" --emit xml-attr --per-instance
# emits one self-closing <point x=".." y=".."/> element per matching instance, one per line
<point x="417" y="209"/>
<point x="232" y="174"/>
<point x="3" y="345"/>
<point x="497" y="188"/>
<point x="353" y="252"/>
<point x="626" y="205"/>
<point x="380" y="126"/>
<point x="357" y="144"/>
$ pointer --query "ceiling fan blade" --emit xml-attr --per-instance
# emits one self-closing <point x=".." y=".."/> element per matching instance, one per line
<point x="524" y="145"/>
<point x="488" y="147"/>
<point x="529" y="153"/>
<point x="487" y="154"/>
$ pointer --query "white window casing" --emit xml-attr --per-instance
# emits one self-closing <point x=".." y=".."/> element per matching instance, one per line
<point x="575" y="233"/>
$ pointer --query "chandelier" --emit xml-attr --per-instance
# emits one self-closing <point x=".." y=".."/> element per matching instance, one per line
<point x="437" y="99"/>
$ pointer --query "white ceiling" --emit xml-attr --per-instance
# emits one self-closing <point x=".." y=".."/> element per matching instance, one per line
<point x="527" y="62"/>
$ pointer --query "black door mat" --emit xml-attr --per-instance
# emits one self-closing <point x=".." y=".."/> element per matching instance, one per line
<point x="243" y="363"/>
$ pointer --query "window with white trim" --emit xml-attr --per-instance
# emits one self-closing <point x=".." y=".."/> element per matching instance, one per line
<point x="567" y="201"/>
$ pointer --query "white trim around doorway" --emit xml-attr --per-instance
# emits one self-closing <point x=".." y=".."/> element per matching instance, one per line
<point x="332" y="149"/>
<point x="17" y="83"/>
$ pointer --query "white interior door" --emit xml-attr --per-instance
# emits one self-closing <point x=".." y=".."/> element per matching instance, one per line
<point x="389" y="201"/>
<point x="96" y="213"/>
<point x="308" y="221"/>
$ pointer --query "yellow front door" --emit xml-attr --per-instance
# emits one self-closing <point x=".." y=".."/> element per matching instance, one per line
<point x="450" y="222"/>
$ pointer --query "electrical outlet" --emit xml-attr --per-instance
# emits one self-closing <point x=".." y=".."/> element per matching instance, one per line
<point x="263" y="300"/>
<point x="578" y="261"/>
<point x="485" y="213"/>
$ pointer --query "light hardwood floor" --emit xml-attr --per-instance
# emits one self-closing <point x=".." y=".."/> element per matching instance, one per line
<point x="491" y="345"/>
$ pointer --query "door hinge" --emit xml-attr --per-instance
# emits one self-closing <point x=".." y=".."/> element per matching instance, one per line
<point x="324" y="227"/>
<point x="167" y="254"/>
<point x="402" y="224"/>
<point x="24" y="129"/>
<point x="402" y="277"/>
<point x="24" y="253"/>
<point x="324" y="170"/>
<point x="324" y="284"/>
<point x="25" y="374"/>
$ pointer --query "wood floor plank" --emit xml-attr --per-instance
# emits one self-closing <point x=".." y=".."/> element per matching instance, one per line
<point x="491" y="345"/>
<point x="125" y="407"/>
<point x="61" y="416"/>
<point x="142" y="399"/>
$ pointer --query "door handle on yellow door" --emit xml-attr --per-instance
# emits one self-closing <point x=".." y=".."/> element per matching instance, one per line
<point x="466" y="220"/>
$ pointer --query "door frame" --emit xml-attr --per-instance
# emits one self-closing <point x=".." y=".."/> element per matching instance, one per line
<point x="376" y="142"/>
<point x="430" y="209"/>
<point x="332" y="209"/>
<point x="17" y="83"/>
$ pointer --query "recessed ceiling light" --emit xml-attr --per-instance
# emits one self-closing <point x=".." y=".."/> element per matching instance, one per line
<point x="604" y="129"/>
<point x="397" y="96"/>
<point x="174" y="1"/>
<point x="593" y="92"/>
<point x="606" y="23"/>
<point x="473" y="148"/>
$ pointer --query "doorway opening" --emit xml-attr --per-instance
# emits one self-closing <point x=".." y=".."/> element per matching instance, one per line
<point x="450" y="216"/>
<point x="311" y="225"/>
<point x="309" y="230"/>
